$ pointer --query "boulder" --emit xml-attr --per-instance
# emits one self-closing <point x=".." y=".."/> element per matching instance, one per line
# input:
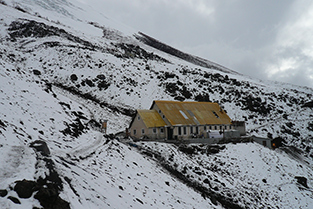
<point x="3" y="192"/>
<point x="41" y="147"/>
<point x="25" y="188"/>
<point x="302" y="181"/>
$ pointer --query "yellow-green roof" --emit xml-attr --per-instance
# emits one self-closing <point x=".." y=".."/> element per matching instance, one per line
<point x="151" y="118"/>
<point x="193" y="113"/>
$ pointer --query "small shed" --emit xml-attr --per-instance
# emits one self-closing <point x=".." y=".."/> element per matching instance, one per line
<point x="263" y="141"/>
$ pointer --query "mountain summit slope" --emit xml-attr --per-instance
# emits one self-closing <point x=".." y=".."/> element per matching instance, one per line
<point x="189" y="58"/>
<point x="64" y="68"/>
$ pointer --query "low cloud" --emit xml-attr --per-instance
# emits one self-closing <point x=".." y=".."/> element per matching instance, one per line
<point x="263" y="39"/>
<point x="292" y="54"/>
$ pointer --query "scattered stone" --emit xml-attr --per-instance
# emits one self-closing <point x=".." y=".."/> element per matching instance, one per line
<point x="103" y="85"/>
<point x="36" y="72"/>
<point x="302" y="181"/>
<point x="206" y="181"/>
<point x="74" y="77"/>
<point x="2" y="124"/>
<point x="3" y="192"/>
<point x="213" y="149"/>
<point x="41" y="147"/>
<point x="74" y="129"/>
<point x="101" y="76"/>
<point x="139" y="200"/>
<point x="187" y="150"/>
<point x="65" y="105"/>
<point x="89" y="83"/>
<point x="14" y="199"/>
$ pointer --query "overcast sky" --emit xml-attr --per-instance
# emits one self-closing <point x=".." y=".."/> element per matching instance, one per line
<point x="260" y="38"/>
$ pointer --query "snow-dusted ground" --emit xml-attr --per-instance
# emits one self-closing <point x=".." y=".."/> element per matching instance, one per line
<point x="72" y="65"/>
<point x="116" y="176"/>
<point x="251" y="175"/>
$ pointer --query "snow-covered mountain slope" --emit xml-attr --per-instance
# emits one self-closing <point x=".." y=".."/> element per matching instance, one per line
<point x="244" y="175"/>
<point x="64" y="67"/>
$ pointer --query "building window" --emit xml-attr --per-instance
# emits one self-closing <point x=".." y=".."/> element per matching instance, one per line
<point x="204" y="127"/>
<point x="142" y="131"/>
<point x="221" y="127"/>
<point x="216" y="115"/>
<point x="161" y="130"/>
<point x="135" y="132"/>
<point x="191" y="130"/>
<point x="185" y="130"/>
<point x="179" y="130"/>
<point x="183" y="114"/>
<point x="230" y="127"/>
<point x="163" y="116"/>
<point x="197" y="130"/>
<point x="159" y="111"/>
<point x="215" y="127"/>
<point x="154" y="130"/>
<point x="210" y="127"/>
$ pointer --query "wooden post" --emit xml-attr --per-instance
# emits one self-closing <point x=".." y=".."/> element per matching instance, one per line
<point x="104" y="126"/>
<point x="127" y="132"/>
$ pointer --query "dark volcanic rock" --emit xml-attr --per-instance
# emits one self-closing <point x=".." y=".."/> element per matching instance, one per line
<point x="25" y="188"/>
<point x="302" y="180"/>
<point x="213" y="149"/>
<point x="3" y="192"/>
<point x="74" y="77"/>
<point x="46" y="193"/>
<point x="2" y="124"/>
<point x="187" y="150"/>
<point x="14" y="199"/>
<point x="74" y="129"/>
<point x="103" y="85"/>
<point x="49" y="199"/>
<point x="308" y="104"/>
<point x="175" y="52"/>
<point x="41" y="147"/>
<point x="36" y="72"/>
<point x="24" y="28"/>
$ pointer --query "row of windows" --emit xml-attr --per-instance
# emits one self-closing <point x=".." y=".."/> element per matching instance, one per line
<point x="183" y="130"/>
<point x="216" y="127"/>
<point x="195" y="129"/>
<point x="154" y="130"/>
<point x="142" y="131"/>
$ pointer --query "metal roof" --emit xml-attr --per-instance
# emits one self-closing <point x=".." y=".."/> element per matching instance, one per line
<point x="151" y="118"/>
<point x="193" y="113"/>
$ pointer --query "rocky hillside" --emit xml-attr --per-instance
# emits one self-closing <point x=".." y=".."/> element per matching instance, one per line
<point x="63" y="69"/>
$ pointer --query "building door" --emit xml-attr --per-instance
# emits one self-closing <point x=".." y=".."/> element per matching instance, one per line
<point x="169" y="133"/>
